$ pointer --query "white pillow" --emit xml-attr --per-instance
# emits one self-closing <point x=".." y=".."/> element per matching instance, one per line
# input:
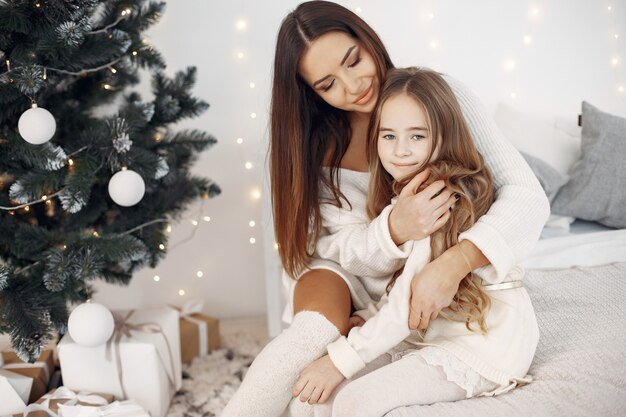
<point x="538" y="138"/>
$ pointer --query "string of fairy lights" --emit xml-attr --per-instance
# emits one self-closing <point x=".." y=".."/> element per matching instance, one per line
<point x="534" y="16"/>
<point x="255" y="194"/>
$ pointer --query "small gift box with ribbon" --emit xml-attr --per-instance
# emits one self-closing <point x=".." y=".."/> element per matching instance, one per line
<point x="140" y="361"/>
<point x="39" y="371"/>
<point x="49" y="403"/>
<point x="199" y="334"/>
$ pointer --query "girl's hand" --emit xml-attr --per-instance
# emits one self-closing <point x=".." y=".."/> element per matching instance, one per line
<point x="418" y="214"/>
<point x="355" y="321"/>
<point x="432" y="289"/>
<point x="318" y="381"/>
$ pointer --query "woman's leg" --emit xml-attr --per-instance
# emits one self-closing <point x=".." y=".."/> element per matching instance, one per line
<point x="322" y="305"/>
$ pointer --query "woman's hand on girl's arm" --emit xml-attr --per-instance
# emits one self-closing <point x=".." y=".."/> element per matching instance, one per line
<point x="318" y="381"/>
<point x="434" y="287"/>
<point x="418" y="214"/>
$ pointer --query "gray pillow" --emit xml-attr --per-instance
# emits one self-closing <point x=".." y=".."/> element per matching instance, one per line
<point x="596" y="190"/>
<point x="550" y="179"/>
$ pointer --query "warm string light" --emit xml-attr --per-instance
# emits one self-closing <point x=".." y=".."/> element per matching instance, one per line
<point x="248" y="165"/>
<point x="239" y="141"/>
<point x="251" y="223"/>
<point x="241" y="24"/>
<point x="615" y="59"/>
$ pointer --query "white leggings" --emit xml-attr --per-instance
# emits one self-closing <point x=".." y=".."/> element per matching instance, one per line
<point x="410" y="380"/>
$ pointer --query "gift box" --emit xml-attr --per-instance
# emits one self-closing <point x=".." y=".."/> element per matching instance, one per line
<point x="62" y="395"/>
<point x="39" y="371"/>
<point x="199" y="334"/>
<point x="141" y="360"/>
<point x="14" y="392"/>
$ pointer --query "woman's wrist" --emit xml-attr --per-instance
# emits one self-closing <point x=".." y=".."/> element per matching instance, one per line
<point x="457" y="262"/>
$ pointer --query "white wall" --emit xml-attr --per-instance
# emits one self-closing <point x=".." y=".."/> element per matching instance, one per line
<point x="568" y="59"/>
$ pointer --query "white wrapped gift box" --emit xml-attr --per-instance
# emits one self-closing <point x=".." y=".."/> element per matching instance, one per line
<point x="14" y="392"/>
<point x="148" y="374"/>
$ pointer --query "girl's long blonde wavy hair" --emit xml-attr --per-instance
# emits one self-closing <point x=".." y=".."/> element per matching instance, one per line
<point x="457" y="162"/>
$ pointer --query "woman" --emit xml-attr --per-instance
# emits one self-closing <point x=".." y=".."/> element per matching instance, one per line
<point x="327" y="73"/>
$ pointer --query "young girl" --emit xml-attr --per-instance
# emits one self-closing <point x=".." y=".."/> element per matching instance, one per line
<point x="484" y="342"/>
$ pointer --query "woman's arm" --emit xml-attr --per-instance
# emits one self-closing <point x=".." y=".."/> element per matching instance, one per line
<point x="434" y="286"/>
<point x="510" y="229"/>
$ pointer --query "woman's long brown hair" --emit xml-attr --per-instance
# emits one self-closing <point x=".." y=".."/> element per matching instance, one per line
<point x="304" y="128"/>
<point x="457" y="162"/>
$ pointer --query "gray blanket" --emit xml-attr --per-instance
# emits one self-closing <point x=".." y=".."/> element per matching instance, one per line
<point x="580" y="365"/>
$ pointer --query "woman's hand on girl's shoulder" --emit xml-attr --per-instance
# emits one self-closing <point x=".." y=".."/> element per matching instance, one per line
<point x="318" y="381"/>
<point x="418" y="214"/>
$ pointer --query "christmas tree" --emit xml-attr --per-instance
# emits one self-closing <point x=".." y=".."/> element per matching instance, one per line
<point x="83" y="196"/>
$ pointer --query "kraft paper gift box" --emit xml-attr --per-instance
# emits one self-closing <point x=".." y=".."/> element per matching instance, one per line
<point x="62" y="395"/>
<point x="199" y="334"/>
<point x="39" y="371"/>
<point x="141" y="360"/>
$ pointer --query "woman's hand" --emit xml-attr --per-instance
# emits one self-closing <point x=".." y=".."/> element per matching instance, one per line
<point x="318" y="381"/>
<point x="433" y="288"/>
<point x="418" y="214"/>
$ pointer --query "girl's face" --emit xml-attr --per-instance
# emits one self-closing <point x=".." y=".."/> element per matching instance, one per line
<point x="404" y="140"/>
<point x="339" y="69"/>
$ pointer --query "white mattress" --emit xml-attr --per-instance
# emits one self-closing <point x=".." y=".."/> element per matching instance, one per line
<point x="584" y="244"/>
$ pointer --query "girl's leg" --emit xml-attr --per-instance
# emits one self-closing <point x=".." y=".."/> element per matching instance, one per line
<point x="407" y="381"/>
<point x="322" y="305"/>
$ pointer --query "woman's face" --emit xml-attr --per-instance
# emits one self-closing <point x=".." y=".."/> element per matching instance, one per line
<point x="339" y="69"/>
<point x="404" y="140"/>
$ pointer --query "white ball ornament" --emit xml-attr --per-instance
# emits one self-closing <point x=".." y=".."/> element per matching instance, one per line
<point x="91" y="324"/>
<point x="36" y="125"/>
<point x="126" y="188"/>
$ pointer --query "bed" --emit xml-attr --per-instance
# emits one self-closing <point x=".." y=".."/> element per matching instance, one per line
<point x="577" y="281"/>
